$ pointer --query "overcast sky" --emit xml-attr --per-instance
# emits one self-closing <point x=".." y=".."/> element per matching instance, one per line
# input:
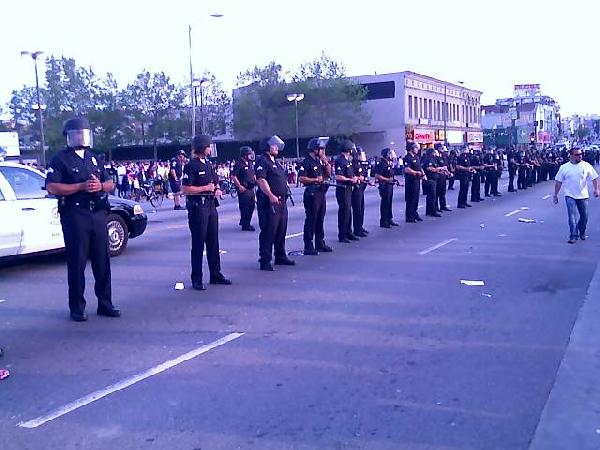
<point x="490" y="45"/>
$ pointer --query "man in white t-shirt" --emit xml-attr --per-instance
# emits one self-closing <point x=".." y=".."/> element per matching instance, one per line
<point x="575" y="176"/>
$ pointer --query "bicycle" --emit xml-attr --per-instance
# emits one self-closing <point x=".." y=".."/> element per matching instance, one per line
<point x="228" y="187"/>
<point x="154" y="193"/>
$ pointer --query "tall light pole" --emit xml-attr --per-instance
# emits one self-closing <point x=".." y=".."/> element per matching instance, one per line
<point x="34" y="56"/>
<point x="215" y="16"/>
<point x="296" y="98"/>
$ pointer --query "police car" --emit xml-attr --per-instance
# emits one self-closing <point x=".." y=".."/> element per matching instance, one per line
<point x="30" y="222"/>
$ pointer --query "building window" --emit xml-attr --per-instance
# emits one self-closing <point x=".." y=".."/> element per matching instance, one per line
<point x="463" y="113"/>
<point x="380" y="90"/>
<point x="425" y="111"/>
<point x="420" y="107"/>
<point x="410" y="107"/>
<point x="415" y="112"/>
<point x="430" y="110"/>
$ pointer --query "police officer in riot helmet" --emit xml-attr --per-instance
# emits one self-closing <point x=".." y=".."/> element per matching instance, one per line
<point x="346" y="179"/>
<point x="271" y="202"/>
<point x="81" y="184"/>
<point x="313" y="173"/>
<point x="429" y="164"/>
<point x="444" y="173"/>
<point x="359" y="167"/>
<point x="413" y="174"/>
<point x="244" y="179"/>
<point x="200" y="184"/>
<point x="463" y="173"/>
<point x="385" y="175"/>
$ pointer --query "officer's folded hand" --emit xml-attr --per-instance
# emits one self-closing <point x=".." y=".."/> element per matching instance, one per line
<point x="93" y="185"/>
<point x="219" y="193"/>
<point x="210" y="187"/>
<point x="319" y="179"/>
<point x="273" y="199"/>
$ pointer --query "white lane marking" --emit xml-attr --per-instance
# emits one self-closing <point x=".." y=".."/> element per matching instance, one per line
<point x="83" y="401"/>
<point x="472" y="282"/>
<point x="523" y="208"/>
<point x="512" y="213"/>
<point x="2" y="301"/>
<point x="435" y="247"/>
<point x="546" y="197"/>
<point x="290" y="236"/>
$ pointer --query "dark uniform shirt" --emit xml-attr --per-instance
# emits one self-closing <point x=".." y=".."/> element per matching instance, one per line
<point x="177" y="167"/>
<point x="274" y="174"/>
<point x="385" y="168"/>
<point x="464" y="160"/>
<point x="312" y="168"/>
<point x="490" y="160"/>
<point x="413" y="162"/>
<point x="199" y="173"/>
<point x="429" y="162"/>
<point x="343" y="168"/>
<point x="475" y="160"/>
<point x="244" y="172"/>
<point x="68" y="168"/>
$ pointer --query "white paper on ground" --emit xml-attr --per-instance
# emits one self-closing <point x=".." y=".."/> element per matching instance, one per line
<point x="179" y="286"/>
<point x="521" y="219"/>
<point x="472" y="282"/>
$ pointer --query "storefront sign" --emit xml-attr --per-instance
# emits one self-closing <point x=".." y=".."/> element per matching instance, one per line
<point x="543" y="137"/>
<point x="474" y="136"/>
<point x="455" y="137"/>
<point x="423" y="136"/>
<point x="527" y="90"/>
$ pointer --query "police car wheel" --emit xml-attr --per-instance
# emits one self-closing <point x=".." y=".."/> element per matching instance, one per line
<point x="118" y="234"/>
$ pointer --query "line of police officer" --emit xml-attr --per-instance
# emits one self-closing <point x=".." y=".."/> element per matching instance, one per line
<point x="81" y="185"/>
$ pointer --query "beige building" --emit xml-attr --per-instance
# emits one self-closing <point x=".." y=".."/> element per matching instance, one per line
<point x="407" y="105"/>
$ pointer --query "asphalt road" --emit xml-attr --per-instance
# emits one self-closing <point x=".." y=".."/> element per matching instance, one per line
<point x="375" y="346"/>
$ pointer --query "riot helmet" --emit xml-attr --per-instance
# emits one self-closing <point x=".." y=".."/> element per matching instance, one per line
<point x="317" y="144"/>
<point x="359" y="154"/>
<point x="347" y="146"/>
<point x="272" y="143"/>
<point x="388" y="154"/>
<point x="246" y="150"/>
<point x="200" y="143"/>
<point x="78" y="133"/>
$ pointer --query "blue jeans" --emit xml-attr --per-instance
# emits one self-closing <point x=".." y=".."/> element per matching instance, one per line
<point x="577" y="228"/>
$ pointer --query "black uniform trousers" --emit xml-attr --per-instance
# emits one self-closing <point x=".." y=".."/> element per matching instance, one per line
<point x="343" y="195"/>
<point x="246" y="202"/>
<point x="358" y="207"/>
<point x="491" y="182"/>
<point x="476" y="187"/>
<point x="440" y="187"/>
<point x="86" y="237"/>
<point x="522" y="178"/>
<point x="412" y="188"/>
<point x="203" y="220"/>
<point x="430" y="190"/>
<point x="464" y="189"/>
<point x="272" y="220"/>
<point x="512" y="171"/>
<point x="386" y="192"/>
<point x="315" y="207"/>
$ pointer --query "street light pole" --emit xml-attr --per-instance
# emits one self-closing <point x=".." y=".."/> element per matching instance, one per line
<point x="34" y="56"/>
<point x="296" y="98"/>
<point x="444" y="111"/>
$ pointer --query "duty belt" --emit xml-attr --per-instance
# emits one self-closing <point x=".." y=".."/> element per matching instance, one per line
<point x="89" y="205"/>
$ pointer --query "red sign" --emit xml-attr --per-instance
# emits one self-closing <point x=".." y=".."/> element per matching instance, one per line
<point x="424" y="136"/>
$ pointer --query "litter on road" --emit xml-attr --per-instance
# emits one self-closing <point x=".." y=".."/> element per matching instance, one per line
<point x="472" y="282"/>
<point x="179" y="286"/>
<point x="4" y="374"/>
<point x="523" y="208"/>
<point x="486" y="295"/>
<point x="2" y="301"/>
<point x="521" y="219"/>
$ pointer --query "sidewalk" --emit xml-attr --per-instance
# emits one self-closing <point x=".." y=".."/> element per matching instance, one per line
<point x="571" y="417"/>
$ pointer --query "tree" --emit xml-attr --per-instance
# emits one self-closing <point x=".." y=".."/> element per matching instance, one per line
<point x="582" y="132"/>
<point x="258" y="101"/>
<point x="152" y="100"/>
<point x="24" y="116"/>
<point x="333" y="103"/>
<point x="215" y="106"/>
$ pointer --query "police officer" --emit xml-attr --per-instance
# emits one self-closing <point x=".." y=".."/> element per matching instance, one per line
<point x="463" y="172"/>
<point x="244" y="179"/>
<point x="476" y="169"/>
<point x="314" y="171"/>
<point x="489" y="162"/>
<point x="201" y="186"/>
<point x="345" y="178"/>
<point x="413" y="174"/>
<point x="444" y="173"/>
<point x="81" y="184"/>
<point x="384" y="174"/>
<point x="175" y="173"/>
<point x="452" y="158"/>
<point x="511" y="156"/>
<point x="430" y="168"/>
<point x="359" y="167"/>
<point x="271" y="202"/>
<point x="523" y="165"/>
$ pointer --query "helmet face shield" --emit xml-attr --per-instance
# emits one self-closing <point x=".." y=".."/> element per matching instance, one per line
<point x="361" y="156"/>
<point x="80" y="138"/>
<point x="275" y="141"/>
<point x="392" y="155"/>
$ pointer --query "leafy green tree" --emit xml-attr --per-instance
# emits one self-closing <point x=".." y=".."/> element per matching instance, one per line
<point x="214" y="106"/>
<point x="582" y="132"/>
<point x="152" y="101"/>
